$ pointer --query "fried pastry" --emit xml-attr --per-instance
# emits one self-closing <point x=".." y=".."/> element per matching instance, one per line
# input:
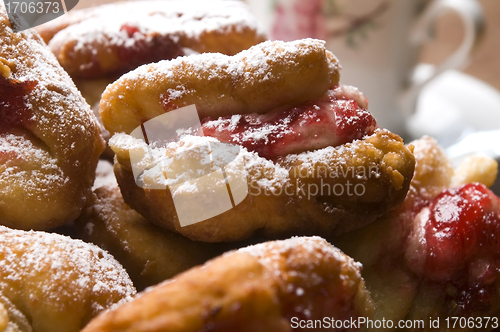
<point x="436" y="256"/>
<point x="49" y="138"/>
<point x="97" y="45"/>
<point x="149" y="253"/>
<point x="49" y="282"/>
<point x="114" y="38"/>
<point x="258" y="288"/>
<point x="311" y="157"/>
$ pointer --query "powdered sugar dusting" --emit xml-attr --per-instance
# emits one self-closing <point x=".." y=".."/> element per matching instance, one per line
<point x="247" y="67"/>
<point x="260" y="133"/>
<point x="433" y="170"/>
<point x="270" y="175"/>
<point x="60" y="112"/>
<point x="307" y="266"/>
<point x="184" y="21"/>
<point x="24" y="162"/>
<point x="269" y="253"/>
<point x="58" y="271"/>
<point x="262" y="78"/>
<point x="332" y="120"/>
<point x="347" y="92"/>
<point x="339" y="154"/>
<point x="41" y="153"/>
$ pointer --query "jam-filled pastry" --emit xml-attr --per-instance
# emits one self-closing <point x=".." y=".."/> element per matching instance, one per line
<point x="438" y="255"/>
<point x="97" y="45"/>
<point x="114" y="38"/>
<point x="257" y="288"/>
<point x="49" y="137"/>
<point x="149" y="253"/>
<point x="310" y="154"/>
<point x="52" y="283"/>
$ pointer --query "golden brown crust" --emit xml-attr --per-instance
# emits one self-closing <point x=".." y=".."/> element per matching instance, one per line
<point x="149" y="254"/>
<point x="114" y="38"/>
<point x="258" y="288"/>
<point x="56" y="283"/>
<point x="297" y="194"/>
<point x="49" y="142"/>
<point x="285" y="197"/>
<point x="257" y="80"/>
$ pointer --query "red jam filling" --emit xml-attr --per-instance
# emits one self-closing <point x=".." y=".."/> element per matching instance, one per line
<point x="13" y="108"/>
<point x="146" y="49"/>
<point x="330" y="121"/>
<point x="461" y="230"/>
<point x="137" y="49"/>
<point x="457" y="240"/>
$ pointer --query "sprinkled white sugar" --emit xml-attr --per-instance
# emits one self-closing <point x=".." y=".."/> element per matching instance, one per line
<point x="249" y="66"/>
<point x="272" y="174"/>
<point x="234" y="121"/>
<point x="427" y="148"/>
<point x="57" y="118"/>
<point x="60" y="270"/>
<point x="348" y="92"/>
<point x="270" y="251"/>
<point x="258" y="134"/>
<point x="311" y="158"/>
<point x="28" y="164"/>
<point x="176" y="18"/>
<point x="314" y="249"/>
<point x="126" y="142"/>
<point x="60" y="109"/>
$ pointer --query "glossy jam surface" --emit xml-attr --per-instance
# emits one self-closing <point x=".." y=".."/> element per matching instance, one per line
<point x="13" y="108"/>
<point x="460" y="229"/>
<point x="330" y="121"/>
<point x="456" y="241"/>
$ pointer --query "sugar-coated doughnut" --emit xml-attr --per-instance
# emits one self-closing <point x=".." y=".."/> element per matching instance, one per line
<point x="51" y="283"/>
<point x="266" y="76"/>
<point x="117" y="37"/>
<point x="258" y="288"/>
<point x="282" y="198"/>
<point x="49" y="137"/>
<point x="305" y="144"/>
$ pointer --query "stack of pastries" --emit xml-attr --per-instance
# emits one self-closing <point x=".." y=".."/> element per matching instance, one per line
<point x="303" y="164"/>
<point x="98" y="44"/>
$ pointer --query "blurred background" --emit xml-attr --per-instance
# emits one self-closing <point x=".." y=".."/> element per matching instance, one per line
<point x="485" y="62"/>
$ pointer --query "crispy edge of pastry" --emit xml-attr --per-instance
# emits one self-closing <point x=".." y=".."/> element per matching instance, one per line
<point x="268" y="75"/>
<point x="257" y="288"/>
<point x="278" y="203"/>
